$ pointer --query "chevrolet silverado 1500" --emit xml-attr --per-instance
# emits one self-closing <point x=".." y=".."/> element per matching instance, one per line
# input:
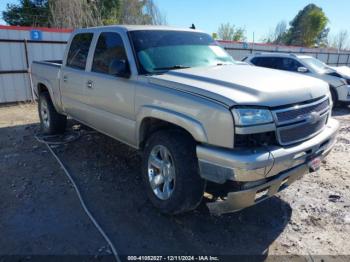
<point x="194" y="113"/>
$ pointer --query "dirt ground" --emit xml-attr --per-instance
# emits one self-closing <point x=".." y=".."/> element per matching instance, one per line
<point x="40" y="213"/>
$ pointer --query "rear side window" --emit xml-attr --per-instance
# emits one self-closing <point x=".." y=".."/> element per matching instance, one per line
<point x="79" y="50"/>
<point x="109" y="48"/>
<point x="256" y="61"/>
<point x="269" y="62"/>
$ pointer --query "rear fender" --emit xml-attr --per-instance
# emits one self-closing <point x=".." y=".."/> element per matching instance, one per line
<point x="55" y="97"/>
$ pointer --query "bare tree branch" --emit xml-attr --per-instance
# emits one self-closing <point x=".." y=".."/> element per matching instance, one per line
<point x="74" y="13"/>
<point x="141" y="12"/>
<point x="84" y="13"/>
<point x="230" y="32"/>
<point x="340" y="41"/>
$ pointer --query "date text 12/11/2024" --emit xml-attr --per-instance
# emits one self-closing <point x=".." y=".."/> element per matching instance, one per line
<point x="173" y="258"/>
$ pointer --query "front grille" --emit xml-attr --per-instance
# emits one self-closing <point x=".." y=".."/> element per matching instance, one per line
<point x="300" y="132"/>
<point x="301" y="112"/>
<point x="300" y="122"/>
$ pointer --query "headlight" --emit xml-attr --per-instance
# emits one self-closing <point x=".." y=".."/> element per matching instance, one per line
<point x="252" y="116"/>
<point x="330" y="100"/>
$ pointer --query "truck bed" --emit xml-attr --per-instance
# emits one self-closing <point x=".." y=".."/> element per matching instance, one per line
<point x="48" y="73"/>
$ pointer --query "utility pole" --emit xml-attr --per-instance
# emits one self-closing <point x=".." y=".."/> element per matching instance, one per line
<point x="253" y="42"/>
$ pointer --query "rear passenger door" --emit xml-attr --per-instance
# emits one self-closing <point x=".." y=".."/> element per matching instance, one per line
<point x="111" y="97"/>
<point x="73" y="76"/>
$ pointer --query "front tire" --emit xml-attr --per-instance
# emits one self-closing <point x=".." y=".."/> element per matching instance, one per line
<point x="50" y="120"/>
<point x="170" y="172"/>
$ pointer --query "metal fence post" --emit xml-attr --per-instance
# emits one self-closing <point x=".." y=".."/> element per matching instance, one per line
<point x="327" y="58"/>
<point x="338" y="59"/>
<point x="28" y="69"/>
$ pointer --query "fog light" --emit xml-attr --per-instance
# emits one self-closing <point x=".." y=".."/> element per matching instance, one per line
<point x="283" y="184"/>
<point x="261" y="194"/>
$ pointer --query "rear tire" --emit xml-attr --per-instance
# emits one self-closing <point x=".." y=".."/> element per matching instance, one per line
<point x="50" y="120"/>
<point x="170" y="172"/>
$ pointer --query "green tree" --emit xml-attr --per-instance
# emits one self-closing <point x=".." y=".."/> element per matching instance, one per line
<point x="308" y="28"/>
<point x="230" y="32"/>
<point x="27" y="13"/>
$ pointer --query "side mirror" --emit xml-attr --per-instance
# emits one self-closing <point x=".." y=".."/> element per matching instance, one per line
<point x="119" y="67"/>
<point x="302" y="69"/>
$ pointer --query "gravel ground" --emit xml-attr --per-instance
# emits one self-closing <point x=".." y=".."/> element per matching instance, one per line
<point x="40" y="213"/>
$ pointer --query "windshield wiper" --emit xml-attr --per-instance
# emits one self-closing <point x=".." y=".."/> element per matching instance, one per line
<point x="172" y="67"/>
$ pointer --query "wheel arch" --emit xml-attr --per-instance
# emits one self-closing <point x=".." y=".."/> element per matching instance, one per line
<point x="44" y="86"/>
<point x="151" y="119"/>
<point x="41" y="87"/>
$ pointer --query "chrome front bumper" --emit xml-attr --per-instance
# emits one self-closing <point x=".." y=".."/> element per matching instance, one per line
<point x="239" y="200"/>
<point x="244" y="165"/>
<point x="280" y="166"/>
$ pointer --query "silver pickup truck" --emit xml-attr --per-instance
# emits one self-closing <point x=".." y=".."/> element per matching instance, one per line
<point x="196" y="115"/>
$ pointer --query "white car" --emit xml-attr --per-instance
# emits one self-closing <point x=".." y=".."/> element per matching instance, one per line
<point x="337" y="78"/>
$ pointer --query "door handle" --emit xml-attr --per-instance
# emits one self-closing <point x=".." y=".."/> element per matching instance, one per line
<point x="65" y="78"/>
<point x="89" y="84"/>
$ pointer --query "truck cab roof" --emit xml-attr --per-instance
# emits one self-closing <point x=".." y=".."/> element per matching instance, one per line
<point x="137" y="28"/>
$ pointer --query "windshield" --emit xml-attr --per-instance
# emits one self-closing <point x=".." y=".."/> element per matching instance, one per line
<point x="161" y="50"/>
<point x="316" y="64"/>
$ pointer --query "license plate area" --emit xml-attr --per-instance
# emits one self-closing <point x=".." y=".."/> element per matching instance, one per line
<point x="315" y="163"/>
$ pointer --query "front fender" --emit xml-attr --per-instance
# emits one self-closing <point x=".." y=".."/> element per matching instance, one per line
<point x="191" y="125"/>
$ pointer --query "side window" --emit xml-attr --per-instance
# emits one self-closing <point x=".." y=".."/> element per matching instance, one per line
<point x="268" y="62"/>
<point x="278" y="63"/>
<point x="255" y="61"/>
<point x="289" y="64"/>
<point x="109" y="48"/>
<point x="79" y="50"/>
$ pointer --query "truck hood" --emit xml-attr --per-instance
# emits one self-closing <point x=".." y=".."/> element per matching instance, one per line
<point x="344" y="71"/>
<point x="244" y="85"/>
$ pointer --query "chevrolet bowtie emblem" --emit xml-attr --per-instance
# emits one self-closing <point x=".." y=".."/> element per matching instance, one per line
<point x="313" y="118"/>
